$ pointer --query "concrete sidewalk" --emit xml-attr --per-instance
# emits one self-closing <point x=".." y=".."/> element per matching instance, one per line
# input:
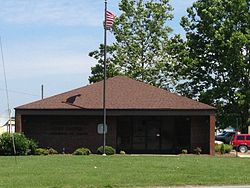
<point x="228" y="186"/>
<point x="247" y="155"/>
<point x="244" y="154"/>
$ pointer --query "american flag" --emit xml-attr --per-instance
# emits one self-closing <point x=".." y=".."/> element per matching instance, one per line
<point x="110" y="18"/>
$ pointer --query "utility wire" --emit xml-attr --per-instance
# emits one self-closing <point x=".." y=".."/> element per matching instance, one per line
<point x="5" y="79"/>
<point x="7" y="96"/>
<point x="20" y="92"/>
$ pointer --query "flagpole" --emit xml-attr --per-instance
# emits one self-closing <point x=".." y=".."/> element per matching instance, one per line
<point x="105" y="77"/>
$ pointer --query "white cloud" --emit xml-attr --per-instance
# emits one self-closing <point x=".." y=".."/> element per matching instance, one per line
<point x="55" y="12"/>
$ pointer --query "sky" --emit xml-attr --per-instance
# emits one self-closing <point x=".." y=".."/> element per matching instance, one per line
<point x="47" y="43"/>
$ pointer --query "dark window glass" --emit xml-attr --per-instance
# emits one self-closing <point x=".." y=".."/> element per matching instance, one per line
<point x="248" y="137"/>
<point x="240" y="137"/>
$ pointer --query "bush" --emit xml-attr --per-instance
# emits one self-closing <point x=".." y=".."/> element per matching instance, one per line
<point x="45" y="151"/>
<point x="108" y="150"/>
<point x="217" y="147"/>
<point x="122" y="152"/>
<point x="23" y="145"/>
<point x="228" y="148"/>
<point x="42" y="151"/>
<point x="6" y="145"/>
<point x="32" y="147"/>
<point x="52" y="151"/>
<point x="198" y="150"/>
<point x="222" y="149"/>
<point x="82" y="151"/>
<point x="184" y="151"/>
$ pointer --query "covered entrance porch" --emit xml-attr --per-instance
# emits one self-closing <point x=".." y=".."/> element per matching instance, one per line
<point x="162" y="134"/>
<point x="153" y="134"/>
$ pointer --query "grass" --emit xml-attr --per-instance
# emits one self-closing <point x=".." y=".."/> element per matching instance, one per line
<point x="66" y="171"/>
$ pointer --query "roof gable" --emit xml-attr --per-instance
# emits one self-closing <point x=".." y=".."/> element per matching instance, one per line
<point x="122" y="93"/>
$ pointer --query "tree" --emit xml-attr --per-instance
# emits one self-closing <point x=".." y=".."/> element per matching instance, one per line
<point x="213" y="61"/>
<point x="141" y="43"/>
<point x="97" y="70"/>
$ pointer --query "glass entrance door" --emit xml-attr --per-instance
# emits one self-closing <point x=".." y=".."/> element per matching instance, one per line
<point x="153" y="136"/>
<point x="139" y="135"/>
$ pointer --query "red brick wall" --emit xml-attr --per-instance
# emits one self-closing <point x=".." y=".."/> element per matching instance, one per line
<point x="200" y="133"/>
<point x="63" y="131"/>
<point x="18" y="122"/>
<point x="60" y="131"/>
<point x="212" y="135"/>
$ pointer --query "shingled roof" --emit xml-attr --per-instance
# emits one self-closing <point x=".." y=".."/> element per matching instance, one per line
<point x="122" y="93"/>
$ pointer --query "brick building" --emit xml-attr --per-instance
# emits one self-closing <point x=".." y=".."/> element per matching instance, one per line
<point x="141" y="119"/>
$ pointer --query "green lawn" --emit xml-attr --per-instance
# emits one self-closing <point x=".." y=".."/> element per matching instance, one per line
<point x="121" y="171"/>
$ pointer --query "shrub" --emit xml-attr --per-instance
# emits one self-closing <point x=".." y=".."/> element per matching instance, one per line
<point x="32" y="147"/>
<point x="108" y="150"/>
<point x="222" y="149"/>
<point x="198" y="150"/>
<point x="52" y="151"/>
<point x="82" y="151"/>
<point x="6" y="146"/>
<point x="184" y="151"/>
<point x="122" y="152"/>
<point x="42" y="151"/>
<point x="45" y="151"/>
<point x="217" y="147"/>
<point x="228" y="148"/>
<point x="23" y="145"/>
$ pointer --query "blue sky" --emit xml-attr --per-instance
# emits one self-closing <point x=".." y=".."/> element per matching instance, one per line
<point x="47" y="42"/>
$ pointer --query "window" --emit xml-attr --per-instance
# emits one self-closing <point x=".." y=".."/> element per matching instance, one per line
<point x="248" y="137"/>
<point x="240" y="137"/>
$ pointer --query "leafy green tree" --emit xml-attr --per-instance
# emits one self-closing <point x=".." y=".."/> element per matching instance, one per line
<point x="213" y="61"/>
<point x="141" y="43"/>
<point x="97" y="70"/>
